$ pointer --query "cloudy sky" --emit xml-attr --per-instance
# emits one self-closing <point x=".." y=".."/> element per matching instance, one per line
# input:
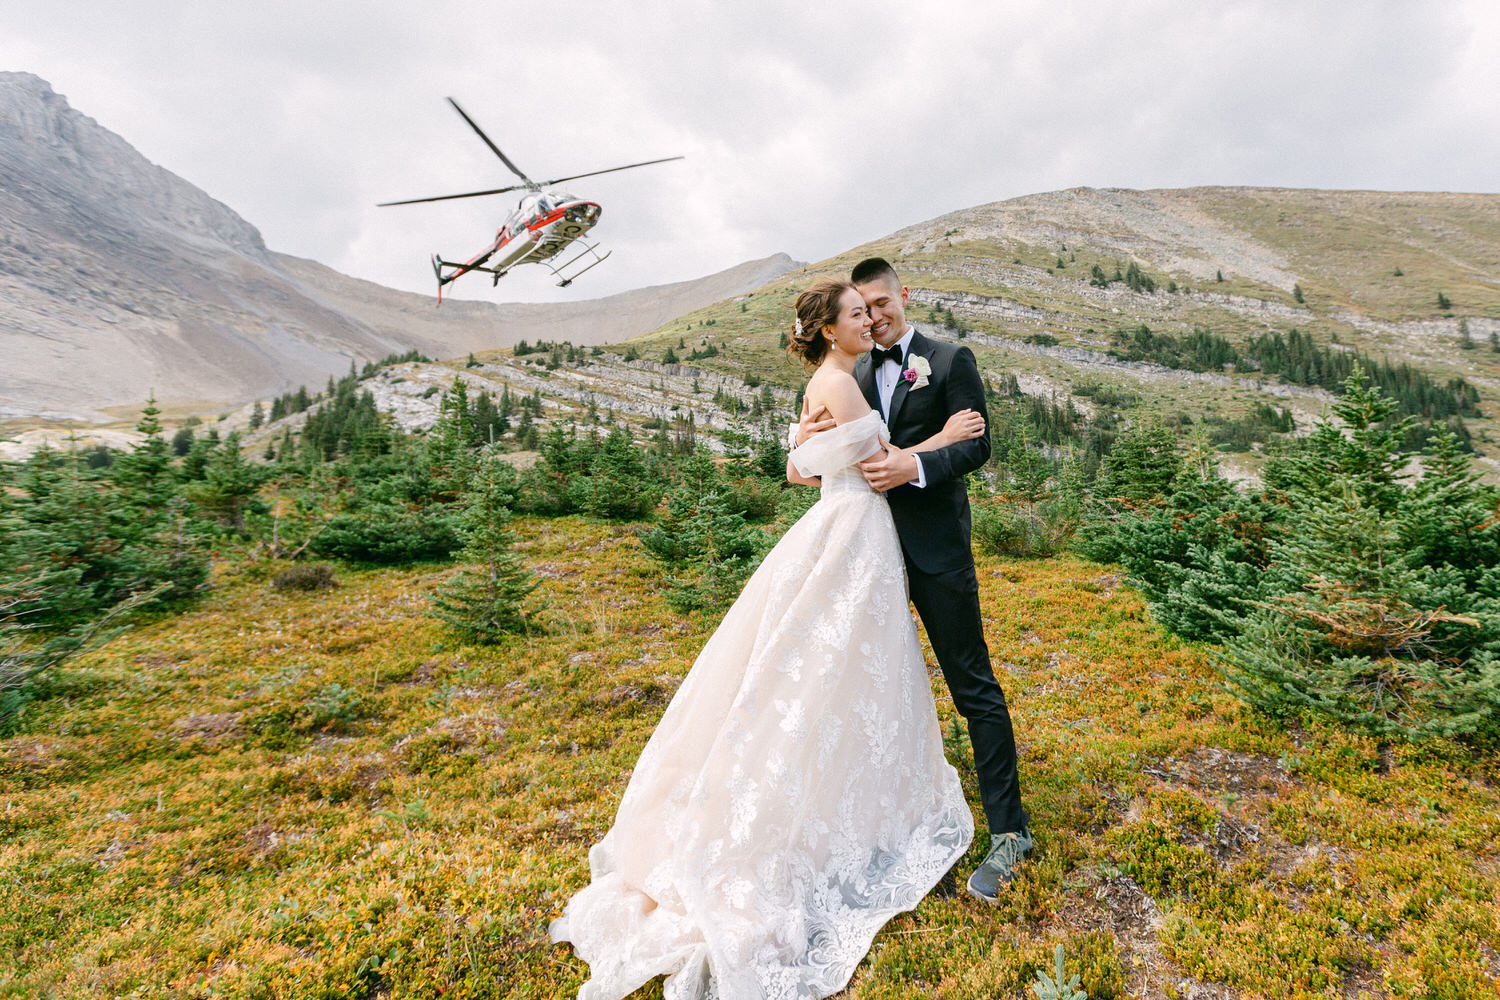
<point x="808" y="127"/>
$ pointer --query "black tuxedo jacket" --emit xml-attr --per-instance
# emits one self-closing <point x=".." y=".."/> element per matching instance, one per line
<point x="933" y="522"/>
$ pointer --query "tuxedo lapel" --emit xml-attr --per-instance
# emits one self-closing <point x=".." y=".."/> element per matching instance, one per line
<point x="918" y="347"/>
<point x="864" y="375"/>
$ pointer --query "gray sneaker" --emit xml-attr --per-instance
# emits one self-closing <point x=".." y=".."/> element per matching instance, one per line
<point x="999" y="866"/>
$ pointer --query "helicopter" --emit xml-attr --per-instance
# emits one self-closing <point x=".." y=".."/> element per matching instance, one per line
<point x="546" y="222"/>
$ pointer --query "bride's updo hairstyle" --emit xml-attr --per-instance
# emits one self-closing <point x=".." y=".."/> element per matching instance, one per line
<point x="816" y="308"/>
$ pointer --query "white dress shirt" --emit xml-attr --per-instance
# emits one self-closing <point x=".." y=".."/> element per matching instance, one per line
<point x="886" y="377"/>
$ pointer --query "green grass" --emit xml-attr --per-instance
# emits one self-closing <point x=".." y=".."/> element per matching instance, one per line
<point x="321" y="796"/>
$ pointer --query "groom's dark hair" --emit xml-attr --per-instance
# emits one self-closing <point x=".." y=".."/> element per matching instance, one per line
<point x="874" y="269"/>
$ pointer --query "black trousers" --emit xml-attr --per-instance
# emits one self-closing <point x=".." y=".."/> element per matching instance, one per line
<point x="949" y="606"/>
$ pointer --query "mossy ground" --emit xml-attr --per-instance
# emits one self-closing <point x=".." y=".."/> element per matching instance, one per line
<point x="319" y="795"/>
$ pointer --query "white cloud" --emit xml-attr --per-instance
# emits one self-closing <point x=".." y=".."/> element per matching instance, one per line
<point x="808" y="127"/>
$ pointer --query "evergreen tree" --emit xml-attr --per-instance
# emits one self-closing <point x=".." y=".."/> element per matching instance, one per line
<point x="84" y="546"/>
<point x="1366" y="451"/>
<point x="1141" y="466"/>
<point x="195" y="462"/>
<point x="486" y="601"/>
<point x="145" y="471"/>
<point x="620" y="484"/>
<point x="487" y="422"/>
<point x="257" y="416"/>
<point x="229" y="486"/>
<point x="453" y="436"/>
<point x="708" y="549"/>
<point x="1352" y="641"/>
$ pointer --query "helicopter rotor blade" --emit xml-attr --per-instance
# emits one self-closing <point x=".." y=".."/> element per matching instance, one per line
<point x="450" y="197"/>
<point x="595" y="173"/>
<point x="493" y="148"/>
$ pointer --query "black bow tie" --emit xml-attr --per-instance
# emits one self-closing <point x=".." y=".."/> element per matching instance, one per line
<point x="881" y="355"/>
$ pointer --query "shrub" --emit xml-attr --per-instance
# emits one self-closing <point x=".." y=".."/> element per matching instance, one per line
<point x="305" y="576"/>
<point x="1021" y="528"/>
<point x="389" y="534"/>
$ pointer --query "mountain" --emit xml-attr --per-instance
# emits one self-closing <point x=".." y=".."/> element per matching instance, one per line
<point x="1073" y="292"/>
<point x="118" y="278"/>
<point x="1096" y="302"/>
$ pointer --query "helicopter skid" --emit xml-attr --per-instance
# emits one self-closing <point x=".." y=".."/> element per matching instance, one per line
<point x="564" y="280"/>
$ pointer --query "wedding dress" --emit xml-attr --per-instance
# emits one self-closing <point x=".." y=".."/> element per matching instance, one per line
<point x="794" y="796"/>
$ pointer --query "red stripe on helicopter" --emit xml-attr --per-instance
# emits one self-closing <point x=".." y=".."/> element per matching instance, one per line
<point x="545" y="220"/>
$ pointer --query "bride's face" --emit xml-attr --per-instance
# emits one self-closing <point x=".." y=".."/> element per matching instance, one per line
<point x="851" y="334"/>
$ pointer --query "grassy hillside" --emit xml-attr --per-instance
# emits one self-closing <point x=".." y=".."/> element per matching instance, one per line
<point x="323" y="796"/>
<point x="1369" y="267"/>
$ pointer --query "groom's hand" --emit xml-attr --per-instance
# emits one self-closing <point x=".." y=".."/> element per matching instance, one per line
<point x="890" y="468"/>
<point x="813" y="421"/>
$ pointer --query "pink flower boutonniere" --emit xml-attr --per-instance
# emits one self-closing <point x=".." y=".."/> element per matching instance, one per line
<point x="916" y="374"/>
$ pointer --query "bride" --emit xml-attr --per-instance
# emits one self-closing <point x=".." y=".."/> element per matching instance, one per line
<point x="794" y="796"/>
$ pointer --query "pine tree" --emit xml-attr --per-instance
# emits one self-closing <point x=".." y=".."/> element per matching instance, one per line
<point x="486" y="601"/>
<point x="708" y="548"/>
<point x="1142" y="465"/>
<point x="620" y="484"/>
<point x="229" y="486"/>
<point x="1352" y="640"/>
<point x="145" y="470"/>
<point x="452" y="437"/>
<point x="1366" y="452"/>
<point x="1380" y="618"/>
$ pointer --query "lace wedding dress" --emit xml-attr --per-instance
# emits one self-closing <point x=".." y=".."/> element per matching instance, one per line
<point x="794" y="796"/>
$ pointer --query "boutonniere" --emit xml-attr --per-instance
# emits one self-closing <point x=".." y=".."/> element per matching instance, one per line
<point x="916" y="372"/>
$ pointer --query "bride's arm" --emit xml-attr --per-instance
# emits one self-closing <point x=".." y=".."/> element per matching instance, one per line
<point x="962" y="426"/>
<point x="793" y="476"/>
<point x="838" y="394"/>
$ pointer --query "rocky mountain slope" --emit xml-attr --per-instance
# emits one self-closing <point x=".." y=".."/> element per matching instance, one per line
<point x="1016" y="280"/>
<point x="1036" y="287"/>
<point x="118" y="278"/>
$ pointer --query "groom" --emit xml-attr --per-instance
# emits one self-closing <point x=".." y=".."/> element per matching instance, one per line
<point x="916" y="384"/>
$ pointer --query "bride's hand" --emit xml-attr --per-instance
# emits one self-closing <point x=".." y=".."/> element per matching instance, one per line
<point x="962" y="426"/>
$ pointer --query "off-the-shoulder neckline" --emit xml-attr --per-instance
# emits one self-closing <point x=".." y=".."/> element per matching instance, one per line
<point x="867" y="416"/>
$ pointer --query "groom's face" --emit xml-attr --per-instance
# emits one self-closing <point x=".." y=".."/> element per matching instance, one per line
<point x="886" y="302"/>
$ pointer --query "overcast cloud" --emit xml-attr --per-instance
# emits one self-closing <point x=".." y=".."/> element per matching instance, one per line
<point x="808" y="127"/>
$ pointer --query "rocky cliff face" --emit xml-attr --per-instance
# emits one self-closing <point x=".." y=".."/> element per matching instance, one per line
<point x="118" y="279"/>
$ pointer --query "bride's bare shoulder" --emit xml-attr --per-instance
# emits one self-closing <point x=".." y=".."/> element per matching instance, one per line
<point x="836" y="389"/>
